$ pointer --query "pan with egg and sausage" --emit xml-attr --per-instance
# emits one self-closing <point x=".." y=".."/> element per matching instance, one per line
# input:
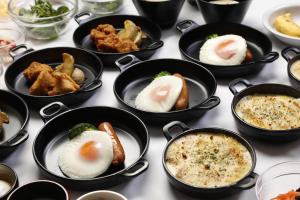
<point x="165" y="89"/>
<point x="90" y="147"/>
<point x="210" y="161"/>
<point x="267" y="111"/>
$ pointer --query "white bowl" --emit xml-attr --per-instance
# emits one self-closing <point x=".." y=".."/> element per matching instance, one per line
<point x="269" y="18"/>
<point x="103" y="195"/>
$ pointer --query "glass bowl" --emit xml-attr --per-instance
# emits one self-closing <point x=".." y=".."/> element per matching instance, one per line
<point x="278" y="179"/>
<point x="103" y="7"/>
<point x="42" y="28"/>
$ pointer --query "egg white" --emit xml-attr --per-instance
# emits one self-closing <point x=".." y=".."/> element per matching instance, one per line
<point x="208" y="55"/>
<point x="71" y="163"/>
<point x="144" y="101"/>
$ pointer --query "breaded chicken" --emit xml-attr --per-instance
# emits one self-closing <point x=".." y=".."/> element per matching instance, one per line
<point x="3" y="119"/>
<point x="43" y="84"/>
<point x="63" y="84"/>
<point x="34" y="69"/>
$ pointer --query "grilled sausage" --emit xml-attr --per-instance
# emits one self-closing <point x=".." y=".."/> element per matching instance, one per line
<point x="249" y="56"/>
<point x="183" y="99"/>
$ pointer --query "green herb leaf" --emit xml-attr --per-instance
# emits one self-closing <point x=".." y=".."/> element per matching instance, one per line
<point x="211" y="36"/>
<point x="162" y="73"/>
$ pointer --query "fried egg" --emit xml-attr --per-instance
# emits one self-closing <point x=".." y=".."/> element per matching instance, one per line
<point x="87" y="156"/>
<point x="224" y="50"/>
<point x="160" y="95"/>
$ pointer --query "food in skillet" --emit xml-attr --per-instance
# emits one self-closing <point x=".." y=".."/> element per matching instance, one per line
<point x="272" y="112"/>
<point x="285" y="24"/>
<point x="224" y="2"/>
<point x="208" y="160"/>
<point x="164" y="93"/>
<point x="295" y="69"/>
<point x="91" y="149"/>
<point x="6" y="45"/>
<point x="4" y="119"/>
<point x="225" y="50"/>
<point x="291" y="195"/>
<point x="65" y="78"/>
<point x="108" y="39"/>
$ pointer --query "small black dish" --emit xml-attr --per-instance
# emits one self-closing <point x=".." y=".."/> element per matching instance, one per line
<point x="59" y="119"/>
<point x="81" y="36"/>
<point x="244" y="184"/>
<point x="213" y="13"/>
<point x="90" y="64"/>
<point x="267" y="88"/>
<point x="41" y="189"/>
<point x="194" y="37"/>
<point x="136" y="74"/>
<point x="8" y="175"/>
<point x="291" y="60"/>
<point x="192" y="2"/>
<point x="163" y="13"/>
<point x="14" y="133"/>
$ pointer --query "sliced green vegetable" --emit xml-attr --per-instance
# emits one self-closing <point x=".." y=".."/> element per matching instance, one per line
<point x="162" y="73"/>
<point x="79" y="128"/>
<point x="211" y="36"/>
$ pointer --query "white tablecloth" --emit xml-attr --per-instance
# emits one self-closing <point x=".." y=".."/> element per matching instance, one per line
<point x="153" y="184"/>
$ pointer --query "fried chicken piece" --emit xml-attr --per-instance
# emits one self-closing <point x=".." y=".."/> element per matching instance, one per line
<point x="34" y="69"/>
<point x="3" y="119"/>
<point x="64" y="84"/>
<point x="43" y="84"/>
<point x="125" y="46"/>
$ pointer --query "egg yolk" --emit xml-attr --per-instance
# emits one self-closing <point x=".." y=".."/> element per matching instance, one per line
<point x="226" y="49"/>
<point x="90" y="151"/>
<point x="160" y="93"/>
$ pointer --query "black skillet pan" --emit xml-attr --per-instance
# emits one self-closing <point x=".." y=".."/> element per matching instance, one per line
<point x="148" y="47"/>
<point x="267" y="88"/>
<point x="90" y="64"/>
<point x="194" y="37"/>
<point x="136" y="75"/>
<point x="291" y="55"/>
<point x="49" y="142"/>
<point x="14" y="133"/>
<point x="245" y="183"/>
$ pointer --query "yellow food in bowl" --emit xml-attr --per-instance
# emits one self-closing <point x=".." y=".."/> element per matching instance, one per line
<point x="3" y="8"/>
<point x="295" y="69"/>
<point x="285" y="24"/>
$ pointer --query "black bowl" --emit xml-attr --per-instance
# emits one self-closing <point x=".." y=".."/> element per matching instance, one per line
<point x="267" y="88"/>
<point x="213" y="13"/>
<point x="42" y="189"/>
<point x="245" y="183"/>
<point x="8" y="175"/>
<point x="192" y="2"/>
<point x="291" y="60"/>
<point x="90" y="64"/>
<point x="163" y="13"/>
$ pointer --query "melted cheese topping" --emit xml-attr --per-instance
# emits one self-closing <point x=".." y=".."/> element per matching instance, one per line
<point x="208" y="160"/>
<point x="273" y="112"/>
<point x="295" y="69"/>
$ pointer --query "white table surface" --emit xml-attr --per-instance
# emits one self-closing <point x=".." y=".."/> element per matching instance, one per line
<point x="153" y="183"/>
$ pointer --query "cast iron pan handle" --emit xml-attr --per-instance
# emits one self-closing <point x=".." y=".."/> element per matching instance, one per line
<point x="250" y="184"/>
<point x="167" y="128"/>
<point x="20" y="137"/>
<point x="97" y="83"/>
<point x="79" y="15"/>
<point x="126" y="61"/>
<point x="51" y="110"/>
<point x="270" y="57"/>
<point x="209" y="104"/>
<point x="140" y="166"/>
<point x="233" y="83"/>
<point x="16" y="48"/>
<point x="285" y="53"/>
<point x="185" y="25"/>
<point x="155" y="45"/>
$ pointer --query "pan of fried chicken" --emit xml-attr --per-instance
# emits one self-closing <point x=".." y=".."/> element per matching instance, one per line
<point x="65" y="74"/>
<point x="112" y="37"/>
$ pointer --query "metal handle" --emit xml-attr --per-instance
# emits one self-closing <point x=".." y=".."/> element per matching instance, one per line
<point x="155" y="45"/>
<point x="79" y="15"/>
<point x="167" y="128"/>
<point x="249" y="184"/>
<point x="140" y="166"/>
<point x="209" y="104"/>
<point x="233" y="83"/>
<point x="97" y="83"/>
<point x="18" y="139"/>
<point x="185" y="25"/>
<point x="16" y="48"/>
<point x="51" y="110"/>
<point x="270" y="57"/>
<point x="285" y="53"/>
<point x="126" y="61"/>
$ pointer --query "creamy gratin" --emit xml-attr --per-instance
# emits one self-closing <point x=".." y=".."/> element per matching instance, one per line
<point x="273" y="112"/>
<point x="208" y="160"/>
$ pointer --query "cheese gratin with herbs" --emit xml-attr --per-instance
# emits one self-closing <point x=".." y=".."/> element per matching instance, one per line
<point x="273" y="112"/>
<point x="208" y="160"/>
